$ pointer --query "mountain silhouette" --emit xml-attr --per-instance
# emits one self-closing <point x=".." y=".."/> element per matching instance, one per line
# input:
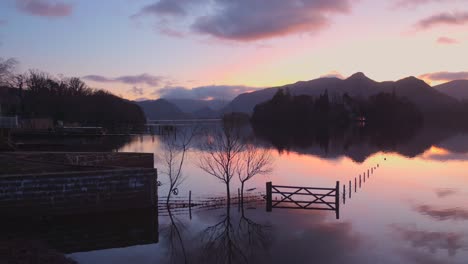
<point x="457" y="89"/>
<point x="162" y="109"/>
<point x="357" y="85"/>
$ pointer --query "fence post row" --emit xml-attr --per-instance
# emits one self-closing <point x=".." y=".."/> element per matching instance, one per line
<point x="268" y="197"/>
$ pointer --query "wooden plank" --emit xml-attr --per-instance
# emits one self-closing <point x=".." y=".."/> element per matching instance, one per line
<point x="306" y="208"/>
<point x="297" y="187"/>
<point x="307" y="194"/>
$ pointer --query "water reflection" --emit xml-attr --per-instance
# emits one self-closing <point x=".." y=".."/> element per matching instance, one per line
<point x="173" y="233"/>
<point x="226" y="242"/>
<point x="80" y="233"/>
<point x="359" y="143"/>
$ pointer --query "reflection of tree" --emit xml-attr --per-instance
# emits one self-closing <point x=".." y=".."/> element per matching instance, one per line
<point x="175" y="241"/>
<point x="224" y="243"/>
<point x="254" y="236"/>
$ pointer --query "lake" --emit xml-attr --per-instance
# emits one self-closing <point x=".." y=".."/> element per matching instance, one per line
<point x="411" y="209"/>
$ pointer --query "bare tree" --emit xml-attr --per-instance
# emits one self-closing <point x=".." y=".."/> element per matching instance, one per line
<point x="221" y="153"/>
<point x="7" y="68"/>
<point x="175" y="148"/>
<point x="253" y="161"/>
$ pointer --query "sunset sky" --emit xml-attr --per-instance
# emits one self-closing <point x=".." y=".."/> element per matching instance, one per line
<point x="151" y="48"/>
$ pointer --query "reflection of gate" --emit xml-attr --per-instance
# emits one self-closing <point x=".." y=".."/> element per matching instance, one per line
<point x="292" y="197"/>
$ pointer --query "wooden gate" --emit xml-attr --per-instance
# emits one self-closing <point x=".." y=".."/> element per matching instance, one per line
<point x="293" y="197"/>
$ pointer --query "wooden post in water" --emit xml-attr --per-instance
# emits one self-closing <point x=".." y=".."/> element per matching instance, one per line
<point x="360" y="180"/>
<point x="350" y="189"/>
<point x="190" y="204"/>
<point x="355" y="184"/>
<point x="344" y="194"/>
<point x="268" y="197"/>
<point x="337" y="200"/>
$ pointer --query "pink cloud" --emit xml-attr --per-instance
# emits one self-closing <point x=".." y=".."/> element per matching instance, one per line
<point x="46" y="8"/>
<point x="444" y="76"/>
<point x="415" y="3"/>
<point x="455" y="18"/>
<point x="446" y="40"/>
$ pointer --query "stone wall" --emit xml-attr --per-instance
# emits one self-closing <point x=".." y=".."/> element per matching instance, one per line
<point x="96" y="159"/>
<point x="76" y="192"/>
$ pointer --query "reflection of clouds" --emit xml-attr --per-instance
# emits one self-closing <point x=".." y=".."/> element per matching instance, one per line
<point x="443" y="214"/>
<point x="418" y="257"/>
<point x="320" y="242"/>
<point x="441" y="193"/>
<point x="432" y="241"/>
<point x="284" y="237"/>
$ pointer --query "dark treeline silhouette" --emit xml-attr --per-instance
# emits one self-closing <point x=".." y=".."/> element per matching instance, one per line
<point x="70" y="100"/>
<point x="289" y="122"/>
<point x="381" y="110"/>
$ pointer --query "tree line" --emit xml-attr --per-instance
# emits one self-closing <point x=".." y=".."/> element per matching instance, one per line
<point x="381" y="110"/>
<point x="67" y="99"/>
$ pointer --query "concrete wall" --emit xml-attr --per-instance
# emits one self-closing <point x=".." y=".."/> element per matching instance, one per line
<point x="76" y="192"/>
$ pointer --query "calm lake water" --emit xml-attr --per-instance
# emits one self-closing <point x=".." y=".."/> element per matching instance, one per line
<point x="412" y="209"/>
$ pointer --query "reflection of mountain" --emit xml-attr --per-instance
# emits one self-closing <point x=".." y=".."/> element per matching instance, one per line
<point x="457" y="89"/>
<point x="358" y="85"/>
<point x="360" y="143"/>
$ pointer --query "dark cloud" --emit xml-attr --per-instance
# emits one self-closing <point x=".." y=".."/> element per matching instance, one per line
<point x="443" y="214"/>
<point x="217" y="92"/>
<point x="165" y="7"/>
<point x="444" y="76"/>
<point x="441" y="193"/>
<point x="145" y="78"/>
<point x="247" y="20"/>
<point x="46" y="8"/>
<point x="136" y="91"/>
<point x="446" y="40"/>
<point x="455" y="18"/>
<point x="432" y="241"/>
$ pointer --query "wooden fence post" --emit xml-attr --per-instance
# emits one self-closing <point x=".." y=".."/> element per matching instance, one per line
<point x="337" y="200"/>
<point x="268" y="197"/>
<point x="190" y="204"/>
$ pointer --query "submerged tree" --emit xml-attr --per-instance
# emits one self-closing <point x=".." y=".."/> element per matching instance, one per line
<point x="221" y="155"/>
<point x="253" y="161"/>
<point x="175" y="147"/>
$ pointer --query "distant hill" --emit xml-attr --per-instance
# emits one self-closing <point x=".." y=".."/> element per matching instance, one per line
<point x="193" y="105"/>
<point x="162" y="109"/>
<point x="457" y="89"/>
<point x="358" y="85"/>
<point x="206" y="113"/>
